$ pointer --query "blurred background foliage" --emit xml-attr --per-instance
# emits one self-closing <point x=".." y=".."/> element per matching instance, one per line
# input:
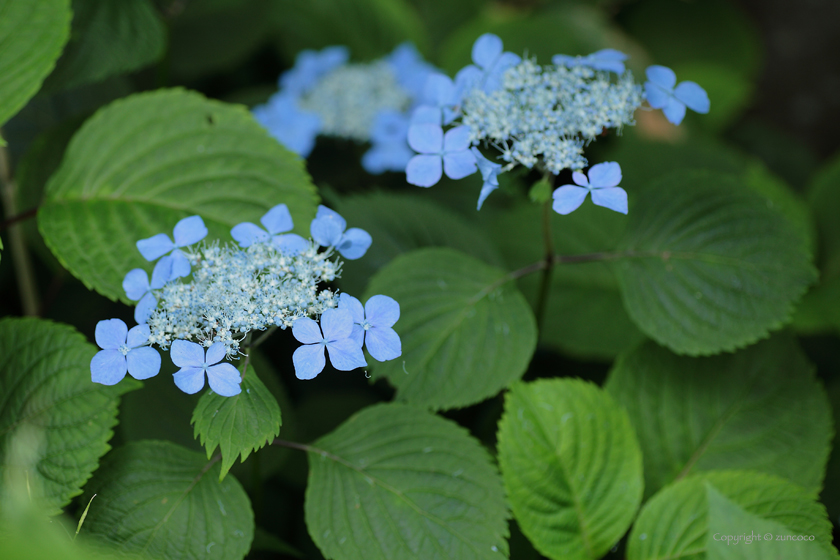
<point x="771" y="70"/>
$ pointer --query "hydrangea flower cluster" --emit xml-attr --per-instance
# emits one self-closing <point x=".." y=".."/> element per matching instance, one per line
<point x="269" y="279"/>
<point x="537" y="116"/>
<point x="365" y="102"/>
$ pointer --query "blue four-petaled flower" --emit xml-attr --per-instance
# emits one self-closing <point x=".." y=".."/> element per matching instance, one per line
<point x="389" y="150"/>
<point x="661" y="94"/>
<point x="187" y="231"/>
<point x="372" y="325"/>
<point x="277" y="221"/>
<point x="490" y="65"/>
<point x="122" y="351"/>
<point x="138" y="288"/>
<point x="327" y="230"/>
<point x="602" y="183"/>
<point x="223" y="378"/>
<point x="337" y="326"/>
<point x="439" y="153"/>
<point x="290" y="125"/>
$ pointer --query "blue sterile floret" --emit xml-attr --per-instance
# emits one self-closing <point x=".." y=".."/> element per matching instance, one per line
<point x="223" y="378"/>
<point x="602" y="182"/>
<point x="372" y="325"/>
<point x="608" y="60"/>
<point x="328" y="230"/>
<point x="138" y="288"/>
<point x="389" y="138"/>
<point x="337" y="326"/>
<point x="187" y="232"/>
<point x="277" y="222"/>
<point x="122" y="351"/>
<point x="661" y="93"/>
<point x="439" y="153"/>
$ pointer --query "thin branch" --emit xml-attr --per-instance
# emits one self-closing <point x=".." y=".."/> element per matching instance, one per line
<point x="19" y="218"/>
<point x="262" y="337"/>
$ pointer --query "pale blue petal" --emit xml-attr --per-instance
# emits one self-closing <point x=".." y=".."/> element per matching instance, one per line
<point x="424" y="170"/>
<point x="246" y="234"/>
<point x="336" y="324"/>
<point x="426" y="138"/>
<point x="426" y="114"/>
<point x="326" y="231"/>
<point x="358" y="335"/>
<point x="387" y="157"/>
<point x="656" y="96"/>
<point x="354" y="244"/>
<point x="564" y="60"/>
<point x="278" y="220"/>
<point x="693" y="96"/>
<point x="580" y="179"/>
<point x="224" y="379"/>
<point x="383" y="344"/>
<point x="110" y="334"/>
<point x="608" y="60"/>
<point x="674" y="111"/>
<point x="486" y="189"/>
<point x="440" y="90"/>
<point x="345" y="354"/>
<point x="189" y="230"/>
<point x="324" y="212"/>
<point x="138" y="336"/>
<point x="486" y="50"/>
<point x="353" y="305"/>
<point x="382" y="311"/>
<point x="468" y="79"/>
<point x="144" y="308"/>
<point x="458" y="165"/>
<point x="307" y="331"/>
<point x="155" y="246"/>
<point x="389" y="125"/>
<point x="456" y="139"/>
<point x="505" y="61"/>
<point x="614" y="198"/>
<point x="107" y="367"/>
<point x="309" y="361"/>
<point x="180" y="265"/>
<point x="568" y="198"/>
<point x="190" y="380"/>
<point x="290" y="243"/>
<point x="216" y="353"/>
<point x="185" y="354"/>
<point x="662" y="76"/>
<point x="136" y="284"/>
<point x="607" y="174"/>
<point x="489" y="170"/>
<point x="162" y="272"/>
<point x="143" y="362"/>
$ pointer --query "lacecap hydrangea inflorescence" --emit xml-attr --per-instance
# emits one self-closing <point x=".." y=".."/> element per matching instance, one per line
<point x="205" y="299"/>
<point x="325" y="94"/>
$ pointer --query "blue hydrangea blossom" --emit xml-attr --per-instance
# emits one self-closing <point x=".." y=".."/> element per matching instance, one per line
<point x="328" y="230"/>
<point x="290" y="125"/>
<point x="187" y="232"/>
<point x="277" y="221"/>
<point x="661" y="93"/>
<point x="439" y="153"/>
<point x="491" y="62"/>
<point x="122" y="351"/>
<point x="602" y="183"/>
<point x="389" y="150"/>
<point x="372" y="325"/>
<point x="138" y="288"/>
<point x="334" y="336"/>
<point x="489" y="174"/>
<point x="223" y="378"/>
<point x="608" y="60"/>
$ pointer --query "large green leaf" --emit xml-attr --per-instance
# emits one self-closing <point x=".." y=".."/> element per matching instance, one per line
<point x="399" y="223"/>
<point x="572" y="467"/>
<point x="680" y="521"/>
<point x="237" y="425"/>
<point x="54" y="422"/>
<point x="159" y="499"/>
<point x="142" y="163"/>
<point x="824" y="200"/>
<point x="466" y="332"/>
<point x="108" y="38"/>
<point x="32" y="34"/>
<point x="759" y="409"/>
<point x="706" y="265"/>
<point x="395" y="481"/>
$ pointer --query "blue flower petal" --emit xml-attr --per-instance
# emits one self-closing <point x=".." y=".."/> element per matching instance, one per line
<point x="358" y="335"/>
<point x="693" y="96"/>
<point x="457" y="139"/>
<point x="336" y="324"/>
<point x="224" y="379"/>
<point x="161" y="273"/>
<point x="190" y="380"/>
<point x="138" y="336"/>
<point x="382" y="311"/>
<point x="458" y="165"/>
<point x="568" y="198"/>
<point x="326" y="229"/>
<point x="246" y="234"/>
<point x="309" y="360"/>
<point x="614" y="198"/>
<point x="145" y="307"/>
<point x="580" y="179"/>
<point x="353" y="305"/>
<point x="656" y="96"/>
<point x="383" y="344"/>
<point x="216" y="353"/>
<point x="278" y="220"/>
<point x="467" y="79"/>
<point x="307" y="331"/>
<point x="564" y="60"/>
<point x="387" y="157"/>
<point x="486" y="189"/>
<point x="180" y="265"/>
<point x="493" y="80"/>
<point x="189" y="230"/>
<point x="155" y="246"/>
<point x="185" y="354"/>
<point x="143" y="362"/>
<point x="354" y="244"/>
<point x="108" y="367"/>
<point x="426" y="114"/>
<point x="290" y="243"/>
<point x="607" y="174"/>
<point x="674" y="111"/>
<point x="608" y="60"/>
<point x="389" y="125"/>
<point x="662" y="76"/>
<point x="486" y="50"/>
<point x="440" y="90"/>
<point x="345" y="354"/>
<point x="424" y="170"/>
<point x="110" y="334"/>
<point x="136" y="284"/>
<point x="426" y="138"/>
<point x="489" y="170"/>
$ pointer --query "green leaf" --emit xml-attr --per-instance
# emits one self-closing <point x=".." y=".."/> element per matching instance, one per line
<point x="571" y="465"/>
<point x="369" y="28"/>
<point x="144" y="162"/>
<point x="54" y="422"/>
<point x="238" y="425"/>
<point x="678" y="521"/>
<point x="108" y="38"/>
<point x="706" y="266"/>
<point x="399" y="223"/>
<point x="397" y="482"/>
<point x="824" y="200"/>
<point x="758" y="409"/>
<point x="466" y="332"/>
<point x="157" y="498"/>
<point x="32" y="34"/>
